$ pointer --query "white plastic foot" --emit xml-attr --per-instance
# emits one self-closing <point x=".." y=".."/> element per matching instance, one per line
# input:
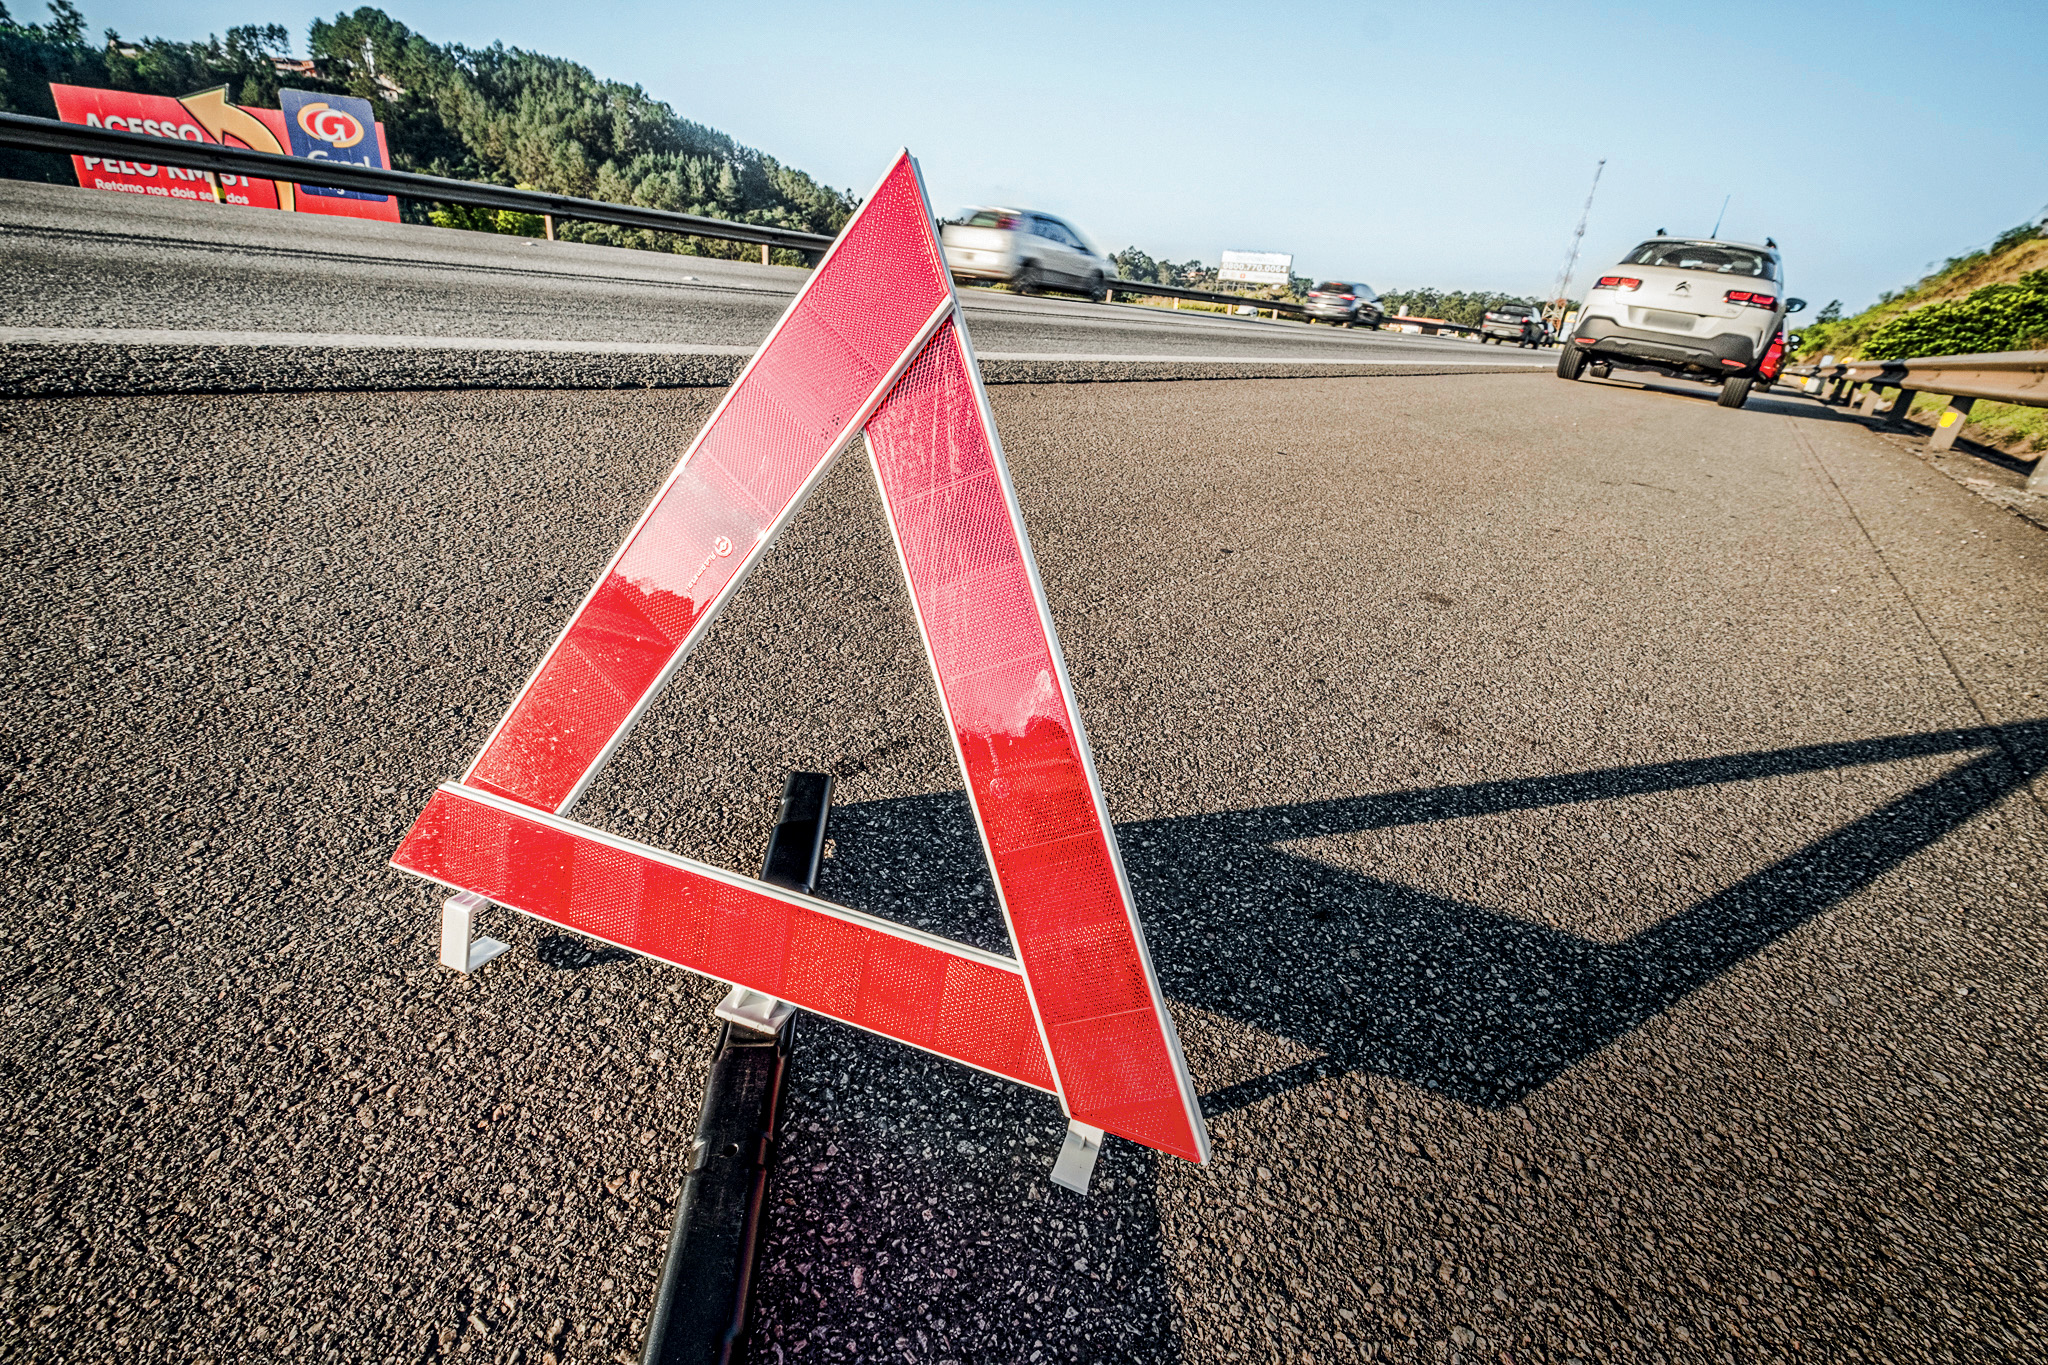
<point x="1075" y="1165"/>
<point x="751" y="1009"/>
<point x="458" y="950"/>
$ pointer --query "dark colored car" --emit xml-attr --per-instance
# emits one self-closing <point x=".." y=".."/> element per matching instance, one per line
<point x="1520" y="323"/>
<point x="1342" y="303"/>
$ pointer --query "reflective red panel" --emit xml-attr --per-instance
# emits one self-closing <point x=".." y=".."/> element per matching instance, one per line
<point x="1112" y="1046"/>
<point x="822" y="370"/>
<point x="1027" y="771"/>
<point x="754" y="935"/>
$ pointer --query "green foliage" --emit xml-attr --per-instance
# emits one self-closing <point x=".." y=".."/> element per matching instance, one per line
<point x="505" y="221"/>
<point x="1998" y="317"/>
<point x="1848" y="337"/>
<point x="1133" y="264"/>
<point x="1460" y="307"/>
<point x="1831" y="313"/>
<point x="508" y="115"/>
<point x="32" y="56"/>
<point x="497" y="114"/>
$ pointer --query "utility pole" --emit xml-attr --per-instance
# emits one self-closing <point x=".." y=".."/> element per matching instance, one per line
<point x="1558" y="300"/>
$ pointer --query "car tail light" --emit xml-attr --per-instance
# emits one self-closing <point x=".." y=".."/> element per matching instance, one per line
<point x="1618" y="282"/>
<point x="1743" y="296"/>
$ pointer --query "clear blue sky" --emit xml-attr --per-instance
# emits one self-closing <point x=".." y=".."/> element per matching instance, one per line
<point x="1446" y="144"/>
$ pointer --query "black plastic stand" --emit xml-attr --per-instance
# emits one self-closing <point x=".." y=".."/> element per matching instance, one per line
<point x="700" y="1315"/>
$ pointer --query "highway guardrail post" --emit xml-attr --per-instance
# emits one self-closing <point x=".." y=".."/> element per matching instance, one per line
<point x="1894" y="413"/>
<point x="1949" y="425"/>
<point x="700" y="1310"/>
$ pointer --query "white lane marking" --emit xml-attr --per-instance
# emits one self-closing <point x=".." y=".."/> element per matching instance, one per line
<point x="1186" y="359"/>
<point x="373" y="341"/>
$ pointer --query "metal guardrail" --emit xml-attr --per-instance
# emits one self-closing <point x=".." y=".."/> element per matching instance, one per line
<point x="73" y="139"/>
<point x="49" y="135"/>
<point x="1430" y="328"/>
<point x="2000" y="377"/>
<point x="1174" y="291"/>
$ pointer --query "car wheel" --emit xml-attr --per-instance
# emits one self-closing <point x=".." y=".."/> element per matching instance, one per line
<point x="1097" y="290"/>
<point x="1735" y="391"/>
<point x="1570" y="362"/>
<point x="1028" y="280"/>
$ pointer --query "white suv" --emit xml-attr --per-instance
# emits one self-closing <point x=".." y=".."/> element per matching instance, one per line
<point x="1030" y="252"/>
<point x="1690" y="308"/>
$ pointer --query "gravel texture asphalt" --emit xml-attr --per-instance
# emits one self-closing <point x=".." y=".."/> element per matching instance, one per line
<point x="1585" y="834"/>
<point x="45" y="368"/>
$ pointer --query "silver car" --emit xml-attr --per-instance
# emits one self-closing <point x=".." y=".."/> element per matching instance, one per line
<point x="1031" y="252"/>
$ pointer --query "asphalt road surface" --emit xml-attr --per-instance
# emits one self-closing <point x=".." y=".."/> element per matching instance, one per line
<point x="1585" y="834"/>
<point x="172" y="283"/>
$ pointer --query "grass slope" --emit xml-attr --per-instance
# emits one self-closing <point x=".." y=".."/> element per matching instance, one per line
<point x="2009" y="261"/>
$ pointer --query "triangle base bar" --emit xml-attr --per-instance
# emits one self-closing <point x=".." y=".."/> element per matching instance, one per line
<point x="917" y="988"/>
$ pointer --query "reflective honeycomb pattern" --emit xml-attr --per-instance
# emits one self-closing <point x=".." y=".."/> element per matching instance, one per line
<point x="849" y="329"/>
<point x="1090" y="1014"/>
<point x="668" y="908"/>
<point x="1012" y="719"/>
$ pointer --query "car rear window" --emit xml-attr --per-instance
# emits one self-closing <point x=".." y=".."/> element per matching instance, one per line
<point x="990" y="218"/>
<point x="1334" y="287"/>
<point x="1718" y="257"/>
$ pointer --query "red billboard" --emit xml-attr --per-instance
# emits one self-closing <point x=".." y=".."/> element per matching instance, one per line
<point x="203" y="117"/>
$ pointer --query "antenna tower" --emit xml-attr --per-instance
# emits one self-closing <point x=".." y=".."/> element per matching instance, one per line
<point x="1558" y="300"/>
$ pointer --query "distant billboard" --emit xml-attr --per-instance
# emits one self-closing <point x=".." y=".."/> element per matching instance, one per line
<point x="1257" y="267"/>
<point x="125" y="111"/>
<point x="344" y="133"/>
<point x="334" y="128"/>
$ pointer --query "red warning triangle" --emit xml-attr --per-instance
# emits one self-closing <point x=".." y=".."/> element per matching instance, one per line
<point x="874" y="342"/>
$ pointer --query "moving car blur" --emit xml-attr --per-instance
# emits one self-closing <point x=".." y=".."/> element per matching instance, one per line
<point x="1029" y="251"/>
<point x="1343" y="303"/>
<point x="1516" y="322"/>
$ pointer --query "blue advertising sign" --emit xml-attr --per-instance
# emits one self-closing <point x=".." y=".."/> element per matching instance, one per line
<point x="332" y="128"/>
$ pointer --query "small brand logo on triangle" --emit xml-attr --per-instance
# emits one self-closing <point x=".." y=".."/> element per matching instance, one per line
<point x="873" y="343"/>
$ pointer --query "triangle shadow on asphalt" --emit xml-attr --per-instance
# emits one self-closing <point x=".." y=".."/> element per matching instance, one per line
<point x="1459" y="999"/>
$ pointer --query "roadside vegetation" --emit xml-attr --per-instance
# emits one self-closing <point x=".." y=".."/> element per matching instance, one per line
<point x="495" y="114"/>
<point x="1993" y="299"/>
<point x="1985" y="300"/>
<point x="1460" y="306"/>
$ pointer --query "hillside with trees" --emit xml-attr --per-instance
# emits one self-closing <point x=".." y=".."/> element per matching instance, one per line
<point x="493" y="114"/>
<point x="1991" y="299"/>
<point x="1988" y="300"/>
